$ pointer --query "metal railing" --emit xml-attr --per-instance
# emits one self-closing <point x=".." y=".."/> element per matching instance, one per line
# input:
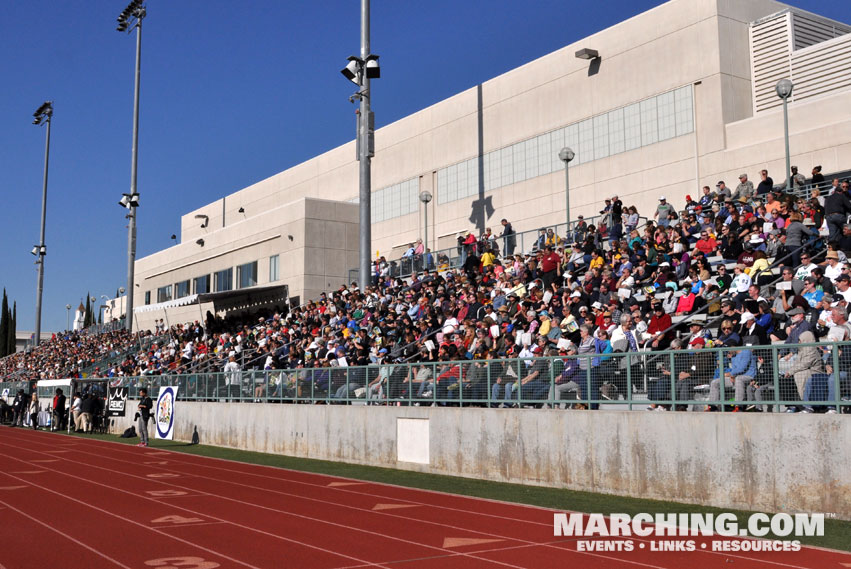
<point x="520" y="243"/>
<point x="767" y="378"/>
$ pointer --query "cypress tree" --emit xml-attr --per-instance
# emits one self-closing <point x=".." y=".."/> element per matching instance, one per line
<point x="87" y="318"/>
<point x="13" y="328"/>
<point x="4" y="326"/>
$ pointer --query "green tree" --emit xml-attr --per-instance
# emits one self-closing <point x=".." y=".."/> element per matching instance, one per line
<point x="13" y="328"/>
<point x="4" y="326"/>
<point x="87" y="318"/>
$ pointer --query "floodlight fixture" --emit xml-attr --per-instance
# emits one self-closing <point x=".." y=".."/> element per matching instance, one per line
<point x="352" y="69"/>
<point x="373" y="70"/>
<point x="586" y="53"/>
<point x="129" y="201"/>
<point x="134" y="10"/>
<point x="43" y="113"/>
<point x="200" y="242"/>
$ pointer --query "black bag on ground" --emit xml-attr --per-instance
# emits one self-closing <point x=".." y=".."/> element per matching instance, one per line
<point x="129" y="433"/>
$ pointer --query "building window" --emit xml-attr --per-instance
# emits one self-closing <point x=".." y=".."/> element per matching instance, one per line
<point x="646" y="122"/>
<point x="181" y="289"/>
<point x="147" y="297"/>
<point x="224" y="280"/>
<point x="274" y="275"/>
<point x="201" y="285"/>
<point x="164" y="293"/>
<point x="246" y="275"/>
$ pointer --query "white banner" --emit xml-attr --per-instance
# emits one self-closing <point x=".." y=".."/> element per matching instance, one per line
<point x="164" y="416"/>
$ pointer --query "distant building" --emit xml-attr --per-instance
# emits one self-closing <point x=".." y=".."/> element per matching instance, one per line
<point x="24" y="338"/>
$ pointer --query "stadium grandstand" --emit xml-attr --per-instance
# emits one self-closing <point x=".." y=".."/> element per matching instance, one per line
<point x="667" y="290"/>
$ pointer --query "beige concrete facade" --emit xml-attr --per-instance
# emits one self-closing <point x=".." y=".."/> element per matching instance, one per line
<point x="314" y="240"/>
<point x="699" y="49"/>
<point x="749" y="461"/>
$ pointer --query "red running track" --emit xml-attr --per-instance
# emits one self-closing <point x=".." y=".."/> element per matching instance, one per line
<point x="71" y="502"/>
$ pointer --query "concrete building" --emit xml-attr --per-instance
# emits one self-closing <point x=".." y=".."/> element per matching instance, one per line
<point x="680" y="97"/>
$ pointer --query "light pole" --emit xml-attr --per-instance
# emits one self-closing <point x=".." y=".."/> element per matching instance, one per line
<point x="132" y="17"/>
<point x="784" y="91"/>
<point x="42" y="115"/>
<point x="68" y="317"/>
<point x="121" y="311"/>
<point x="425" y="197"/>
<point x="94" y="300"/>
<point x="103" y="307"/>
<point x="360" y="70"/>
<point x="566" y="155"/>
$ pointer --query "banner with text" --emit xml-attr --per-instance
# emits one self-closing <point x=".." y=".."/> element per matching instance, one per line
<point x="116" y="402"/>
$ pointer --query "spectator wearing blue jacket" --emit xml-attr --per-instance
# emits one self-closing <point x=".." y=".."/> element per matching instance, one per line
<point x="741" y="373"/>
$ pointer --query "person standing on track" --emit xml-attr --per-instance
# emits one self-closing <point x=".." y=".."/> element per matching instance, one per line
<point x="19" y="406"/>
<point x="33" y="411"/>
<point x="58" y="411"/>
<point x="76" y="412"/>
<point x="145" y="405"/>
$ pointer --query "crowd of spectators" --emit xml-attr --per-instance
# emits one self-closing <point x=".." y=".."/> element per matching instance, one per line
<point x="621" y="286"/>
<point x="66" y="355"/>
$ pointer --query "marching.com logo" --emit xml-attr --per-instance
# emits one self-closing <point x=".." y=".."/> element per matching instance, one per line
<point x="684" y="526"/>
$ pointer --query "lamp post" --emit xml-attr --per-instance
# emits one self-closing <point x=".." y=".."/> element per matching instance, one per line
<point x="42" y="115"/>
<point x="784" y="91"/>
<point x="131" y="18"/>
<point x="68" y="317"/>
<point x="566" y="155"/>
<point x="425" y="197"/>
<point x="360" y="70"/>
<point x="120" y="293"/>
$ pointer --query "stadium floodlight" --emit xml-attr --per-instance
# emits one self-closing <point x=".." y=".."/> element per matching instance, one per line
<point x="360" y="70"/>
<point x="566" y="154"/>
<point x="373" y="70"/>
<point x="784" y="91"/>
<point x="352" y="69"/>
<point x="131" y="17"/>
<point x="134" y="11"/>
<point x="129" y="201"/>
<point x="42" y="115"/>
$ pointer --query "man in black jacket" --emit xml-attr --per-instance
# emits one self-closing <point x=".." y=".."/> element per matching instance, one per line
<point x="836" y="210"/>
<point x="19" y="406"/>
<point x="145" y="405"/>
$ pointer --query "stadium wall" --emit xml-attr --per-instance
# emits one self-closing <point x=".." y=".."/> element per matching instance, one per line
<point x="764" y="462"/>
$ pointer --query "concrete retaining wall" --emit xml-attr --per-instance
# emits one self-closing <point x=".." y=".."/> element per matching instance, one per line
<point x="766" y="462"/>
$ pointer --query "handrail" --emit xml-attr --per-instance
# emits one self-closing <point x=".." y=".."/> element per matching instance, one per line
<point x="525" y="243"/>
<point x="482" y="382"/>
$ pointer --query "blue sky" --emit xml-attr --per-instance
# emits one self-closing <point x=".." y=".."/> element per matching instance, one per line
<point x="232" y="92"/>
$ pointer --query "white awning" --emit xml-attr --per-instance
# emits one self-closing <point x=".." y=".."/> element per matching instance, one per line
<point x="191" y="299"/>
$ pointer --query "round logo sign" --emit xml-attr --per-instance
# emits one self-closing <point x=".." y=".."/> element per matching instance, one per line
<point x="165" y="412"/>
